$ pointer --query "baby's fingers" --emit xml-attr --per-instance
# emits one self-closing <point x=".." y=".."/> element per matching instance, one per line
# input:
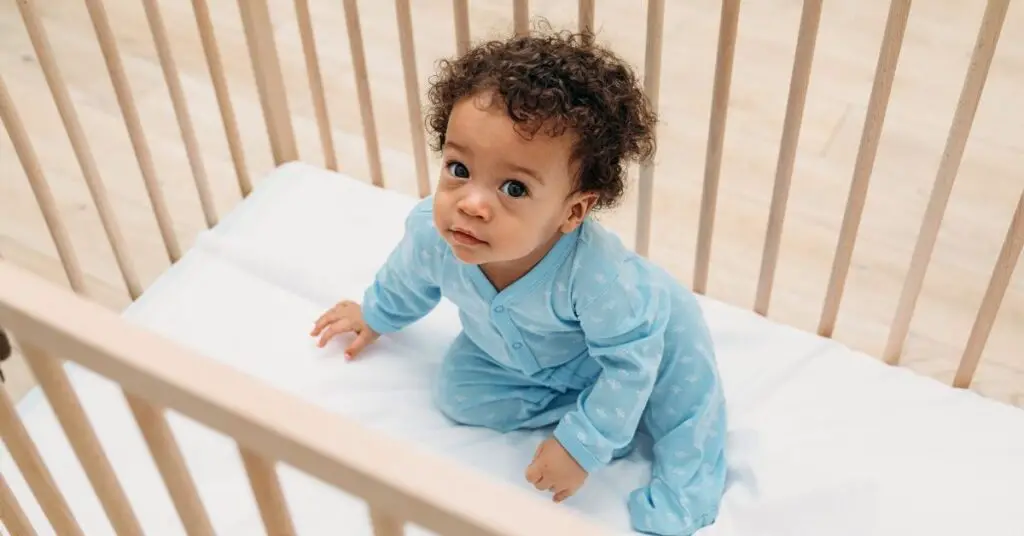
<point x="336" y="328"/>
<point x="533" y="474"/>
<point x="364" y="338"/>
<point x="325" y="320"/>
<point x="540" y="479"/>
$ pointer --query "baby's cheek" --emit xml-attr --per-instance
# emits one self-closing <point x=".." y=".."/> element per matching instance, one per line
<point x="525" y="237"/>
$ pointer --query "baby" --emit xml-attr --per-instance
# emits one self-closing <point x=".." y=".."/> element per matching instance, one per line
<point x="562" y="325"/>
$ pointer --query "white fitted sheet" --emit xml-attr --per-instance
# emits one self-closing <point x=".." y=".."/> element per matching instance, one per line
<point x="822" y="440"/>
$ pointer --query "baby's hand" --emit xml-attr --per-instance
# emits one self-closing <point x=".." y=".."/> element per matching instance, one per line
<point x="554" y="469"/>
<point x="344" y="317"/>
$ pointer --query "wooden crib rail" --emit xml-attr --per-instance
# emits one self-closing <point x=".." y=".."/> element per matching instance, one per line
<point x="415" y="487"/>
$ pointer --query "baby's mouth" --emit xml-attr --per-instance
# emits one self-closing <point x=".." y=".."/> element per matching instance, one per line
<point x="465" y="237"/>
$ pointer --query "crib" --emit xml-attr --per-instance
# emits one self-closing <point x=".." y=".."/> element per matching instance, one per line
<point x="203" y="407"/>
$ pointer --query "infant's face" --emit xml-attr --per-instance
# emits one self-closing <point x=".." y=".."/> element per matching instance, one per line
<point x="501" y="198"/>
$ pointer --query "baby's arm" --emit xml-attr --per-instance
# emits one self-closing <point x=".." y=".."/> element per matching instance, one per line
<point x="405" y="289"/>
<point x="624" y="324"/>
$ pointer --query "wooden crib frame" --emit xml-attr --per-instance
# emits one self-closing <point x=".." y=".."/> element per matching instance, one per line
<point x="49" y="324"/>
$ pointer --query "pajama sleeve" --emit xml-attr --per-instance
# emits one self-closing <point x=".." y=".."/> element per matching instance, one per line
<point x="406" y="287"/>
<point x="624" y="326"/>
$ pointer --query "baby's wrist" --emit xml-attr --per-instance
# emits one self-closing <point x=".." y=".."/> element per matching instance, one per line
<point x="567" y="436"/>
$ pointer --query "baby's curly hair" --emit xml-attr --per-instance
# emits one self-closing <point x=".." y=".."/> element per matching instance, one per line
<point x="562" y="81"/>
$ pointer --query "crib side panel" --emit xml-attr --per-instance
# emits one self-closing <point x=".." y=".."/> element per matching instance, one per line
<point x="885" y="77"/>
<point x="414" y="486"/>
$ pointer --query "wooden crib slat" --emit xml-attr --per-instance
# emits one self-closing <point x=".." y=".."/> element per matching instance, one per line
<point x="181" y="111"/>
<point x="412" y="95"/>
<point x="171" y="464"/>
<point x="521" y="16"/>
<point x="41" y="190"/>
<point x="79" y="144"/>
<point x="461" y="9"/>
<point x="799" y="79"/>
<point x="385" y="524"/>
<point x="1009" y="254"/>
<point x="12" y="517"/>
<point x="259" y="37"/>
<point x="586" y="16"/>
<point x="949" y="166"/>
<point x="716" y="136"/>
<point x="269" y="497"/>
<point x="885" y="72"/>
<point x="34" y="469"/>
<point x="316" y="85"/>
<point x="362" y="79"/>
<point x="66" y="406"/>
<point x="652" y="86"/>
<point x="220" y="88"/>
<point x="130" y="113"/>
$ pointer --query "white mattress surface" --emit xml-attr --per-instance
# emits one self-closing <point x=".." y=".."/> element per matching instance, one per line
<point x="823" y="441"/>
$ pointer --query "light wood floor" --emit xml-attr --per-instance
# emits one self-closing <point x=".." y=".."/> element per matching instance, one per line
<point x="937" y="49"/>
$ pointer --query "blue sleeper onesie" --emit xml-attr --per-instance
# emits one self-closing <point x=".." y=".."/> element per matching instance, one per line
<point x="595" y="340"/>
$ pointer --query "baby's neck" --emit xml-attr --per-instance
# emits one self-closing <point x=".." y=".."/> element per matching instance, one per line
<point x="502" y="274"/>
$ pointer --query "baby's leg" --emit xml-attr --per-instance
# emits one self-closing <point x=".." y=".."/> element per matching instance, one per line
<point x="686" y="419"/>
<point x="474" y="390"/>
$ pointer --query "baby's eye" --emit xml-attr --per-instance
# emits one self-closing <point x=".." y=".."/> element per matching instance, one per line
<point x="514" y="189"/>
<point x="457" y="169"/>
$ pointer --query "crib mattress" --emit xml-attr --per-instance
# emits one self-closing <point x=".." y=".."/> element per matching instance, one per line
<point x="822" y="440"/>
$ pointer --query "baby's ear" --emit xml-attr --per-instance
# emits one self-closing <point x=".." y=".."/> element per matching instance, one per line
<point x="581" y="205"/>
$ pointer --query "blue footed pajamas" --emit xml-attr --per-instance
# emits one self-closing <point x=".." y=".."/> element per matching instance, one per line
<point x="594" y="340"/>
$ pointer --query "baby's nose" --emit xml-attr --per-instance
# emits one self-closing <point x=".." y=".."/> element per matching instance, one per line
<point x="476" y="205"/>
